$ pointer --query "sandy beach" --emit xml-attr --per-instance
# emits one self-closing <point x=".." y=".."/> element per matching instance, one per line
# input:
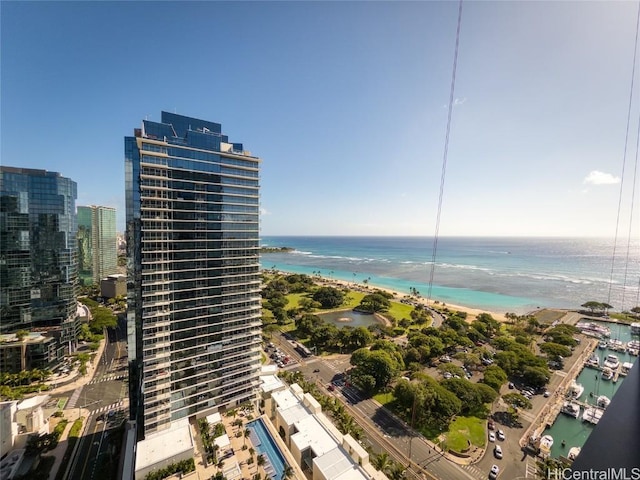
<point x="471" y="312"/>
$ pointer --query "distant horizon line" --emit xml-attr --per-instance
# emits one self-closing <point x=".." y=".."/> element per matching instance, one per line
<point x="445" y="236"/>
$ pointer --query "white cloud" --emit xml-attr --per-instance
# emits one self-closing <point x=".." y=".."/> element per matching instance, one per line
<point x="597" y="177"/>
<point x="459" y="101"/>
<point x="264" y="211"/>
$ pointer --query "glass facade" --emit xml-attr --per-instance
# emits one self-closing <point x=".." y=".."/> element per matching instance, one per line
<point x="38" y="252"/>
<point x="193" y="278"/>
<point x="97" y="243"/>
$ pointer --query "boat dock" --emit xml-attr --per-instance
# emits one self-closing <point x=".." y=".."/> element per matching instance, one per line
<point x="551" y="411"/>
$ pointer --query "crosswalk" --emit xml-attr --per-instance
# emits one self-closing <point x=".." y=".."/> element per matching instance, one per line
<point x="532" y="471"/>
<point x="107" y="378"/>
<point x="114" y="406"/>
<point x="474" y="471"/>
<point x="74" y="398"/>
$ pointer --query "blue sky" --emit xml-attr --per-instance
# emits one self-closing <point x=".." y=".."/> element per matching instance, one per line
<point x="346" y="105"/>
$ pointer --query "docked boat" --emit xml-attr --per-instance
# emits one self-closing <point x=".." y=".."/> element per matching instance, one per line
<point x="592" y="415"/>
<point x="594" y="361"/>
<point x="571" y="409"/>
<point x="593" y="329"/>
<point x="617" y="345"/>
<point x="573" y="453"/>
<point x="633" y="347"/>
<point x="546" y="442"/>
<point x="626" y="366"/>
<point x="635" y="328"/>
<point x="575" y="390"/>
<point x="603" y="344"/>
<point x="607" y="373"/>
<point x="611" y="362"/>
<point x="603" y="401"/>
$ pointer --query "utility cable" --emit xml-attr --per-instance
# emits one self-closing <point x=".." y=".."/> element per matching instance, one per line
<point x="446" y="151"/>
<point x="624" y="155"/>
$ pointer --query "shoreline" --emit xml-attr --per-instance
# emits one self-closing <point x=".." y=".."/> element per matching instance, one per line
<point x="472" y="313"/>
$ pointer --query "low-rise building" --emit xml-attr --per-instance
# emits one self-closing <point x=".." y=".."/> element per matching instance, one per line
<point x="36" y="350"/>
<point x="315" y="443"/>
<point x="113" y="286"/>
<point x="161" y="449"/>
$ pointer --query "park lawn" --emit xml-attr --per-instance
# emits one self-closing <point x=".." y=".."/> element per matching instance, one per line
<point x="463" y="429"/>
<point x="399" y="310"/>
<point x="384" y="398"/>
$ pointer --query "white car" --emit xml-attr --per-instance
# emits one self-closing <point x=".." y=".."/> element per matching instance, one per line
<point x="492" y="437"/>
<point x="497" y="451"/>
<point x="493" y="474"/>
<point x="500" y="435"/>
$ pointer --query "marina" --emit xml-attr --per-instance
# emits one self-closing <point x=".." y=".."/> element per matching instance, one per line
<point x="597" y="383"/>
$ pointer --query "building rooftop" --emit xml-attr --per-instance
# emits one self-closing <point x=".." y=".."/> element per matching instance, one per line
<point x="163" y="445"/>
<point x="270" y="383"/>
<point x="312" y="434"/>
<point x="336" y="464"/>
<point x="285" y="399"/>
<point x="33" y="402"/>
<point x="294" y="414"/>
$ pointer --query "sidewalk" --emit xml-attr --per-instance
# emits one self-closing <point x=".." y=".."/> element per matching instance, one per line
<point x="74" y="379"/>
<point x="58" y="452"/>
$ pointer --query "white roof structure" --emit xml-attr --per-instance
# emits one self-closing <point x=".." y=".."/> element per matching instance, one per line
<point x="222" y="441"/>
<point x="285" y="399"/>
<point x="270" y="383"/>
<point x="163" y="445"/>
<point x="214" y="418"/>
<point x="313" y="435"/>
<point x="294" y="414"/>
<point x="33" y="402"/>
<point x="335" y="464"/>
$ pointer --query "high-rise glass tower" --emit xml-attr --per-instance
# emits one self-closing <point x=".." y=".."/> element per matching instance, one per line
<point x="192" y="201"/>
<point x="97" y="243"/>
<point x="38" y="261"/>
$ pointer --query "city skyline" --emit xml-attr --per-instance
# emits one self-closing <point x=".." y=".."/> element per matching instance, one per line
<point x="347" y="105"/>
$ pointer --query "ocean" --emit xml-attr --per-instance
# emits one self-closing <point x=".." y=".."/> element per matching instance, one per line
<point x="493" y="274"/>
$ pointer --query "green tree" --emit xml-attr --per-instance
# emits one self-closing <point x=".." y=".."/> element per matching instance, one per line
<point x="495" y="377"/>
<point x="328" y="297"/>
<point x="374" y="303"/>
<point x="517" y="400"/>
<point x="555" y="350"/>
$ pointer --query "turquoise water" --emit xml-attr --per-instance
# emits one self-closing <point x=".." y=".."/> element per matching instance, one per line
<point x="494" y="274"/>
<point x="267" y="446"/>
<point x="573" y="430"/>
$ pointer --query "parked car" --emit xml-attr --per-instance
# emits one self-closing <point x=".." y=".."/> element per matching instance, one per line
<point x="491" y="425"/>
<point x="497" y="451"/>
<point x="493" y="474"/>
<point x="500" y="435"/>
<point x="492" y="437"/>
<point x="546" y="394"/>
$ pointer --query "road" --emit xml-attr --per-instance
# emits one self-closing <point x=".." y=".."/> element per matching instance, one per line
<point x="384" y="432"/>
<point x="105" y="398"/>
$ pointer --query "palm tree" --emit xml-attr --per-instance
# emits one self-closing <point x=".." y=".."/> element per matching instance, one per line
<point x="261" y="460"/>
<point x="246" y="433"/>
<point x="381" y="461"/>
<point x="395" y="471"/>
<point x="287" y="472"/>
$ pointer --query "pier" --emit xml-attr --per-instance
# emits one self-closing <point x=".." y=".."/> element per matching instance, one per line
<point x="551" y="411"/>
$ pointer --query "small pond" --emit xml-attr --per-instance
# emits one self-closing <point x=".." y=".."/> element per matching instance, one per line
<point x="350" y="318"/>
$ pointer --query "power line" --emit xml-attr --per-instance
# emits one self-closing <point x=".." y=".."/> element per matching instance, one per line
<point x="624" y="159"/>
<point x="446" y="151"/>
